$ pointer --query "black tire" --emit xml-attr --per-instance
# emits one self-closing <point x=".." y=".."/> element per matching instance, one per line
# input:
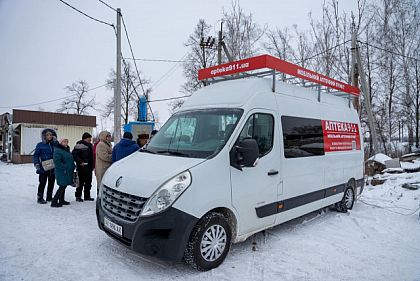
<point x="193" y="252"/>
<point x="347" y="202"/>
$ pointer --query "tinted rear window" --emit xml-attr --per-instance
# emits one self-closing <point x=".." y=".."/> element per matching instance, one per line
<point x="302" y="137"/>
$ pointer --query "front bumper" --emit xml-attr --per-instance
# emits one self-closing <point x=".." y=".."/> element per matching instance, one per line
<point x="163" y="235"/>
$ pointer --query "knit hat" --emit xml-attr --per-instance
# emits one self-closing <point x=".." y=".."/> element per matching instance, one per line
<point x="86" y="135"/>
<point x="128" y="135"/>
<point x="62" y="139"/>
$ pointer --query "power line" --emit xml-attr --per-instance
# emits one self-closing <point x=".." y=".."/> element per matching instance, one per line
<point x="323" y="52"/>
<point x="135" y="89"/>
<point x="50" y="101"/>
<point x="109" y="6"/>
<point x="173" y="98"/>
<point x="159" y="60"/>
<point x="391" y="52"/>
<point x="137" y="70"/>
<point x="132" y="54"/>
<point x="167" y="73"/>
<point x="181" y="60"/>
<point x="86" y="15"/>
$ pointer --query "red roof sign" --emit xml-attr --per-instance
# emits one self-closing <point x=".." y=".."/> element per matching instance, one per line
<point x="270" y="62"/>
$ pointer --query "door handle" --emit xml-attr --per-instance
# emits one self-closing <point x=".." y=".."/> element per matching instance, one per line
<point x="272" y="172"/>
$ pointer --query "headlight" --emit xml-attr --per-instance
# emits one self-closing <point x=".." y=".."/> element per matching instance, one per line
<point x="166" y="195"/>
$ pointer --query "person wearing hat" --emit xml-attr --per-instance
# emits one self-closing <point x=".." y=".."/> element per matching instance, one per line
<point x="103" y="156"/>
<point x="142" y="139"/>
<point x="83" y="156"/>
<point x="64" y="168"/>
<point x="124" y="148"/>
<point x="44" y="154"/>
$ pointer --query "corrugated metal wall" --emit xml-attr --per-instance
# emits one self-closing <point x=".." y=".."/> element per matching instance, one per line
<point x="73" y="133"/>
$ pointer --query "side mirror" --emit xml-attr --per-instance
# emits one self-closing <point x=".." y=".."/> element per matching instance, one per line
<point x="245" y="154"/>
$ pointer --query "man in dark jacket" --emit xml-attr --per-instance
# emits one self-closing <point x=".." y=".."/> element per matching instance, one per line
<point x="83" y="156"/>
<point x="124" y="148"/>
<point x="44" y="151"/>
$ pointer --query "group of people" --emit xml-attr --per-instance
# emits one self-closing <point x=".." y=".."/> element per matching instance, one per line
<point x="54" y="161"/>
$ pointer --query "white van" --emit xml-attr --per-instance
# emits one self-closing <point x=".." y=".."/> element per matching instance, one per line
<point x="236" y="159"/>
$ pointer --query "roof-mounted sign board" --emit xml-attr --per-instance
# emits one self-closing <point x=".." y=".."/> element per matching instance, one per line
<point x="270" y="62"/>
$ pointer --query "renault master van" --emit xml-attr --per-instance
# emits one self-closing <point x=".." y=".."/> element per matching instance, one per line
<point x="240" y="156"/>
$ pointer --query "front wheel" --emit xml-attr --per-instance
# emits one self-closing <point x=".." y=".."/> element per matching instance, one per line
<point x="209" y="242"/>
<point x="347" y="202"/>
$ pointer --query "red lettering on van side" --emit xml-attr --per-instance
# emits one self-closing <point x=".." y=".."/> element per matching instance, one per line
<point x="340" y="136"/>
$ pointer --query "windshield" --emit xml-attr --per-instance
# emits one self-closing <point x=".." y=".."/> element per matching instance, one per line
<point x="196" y="134"/>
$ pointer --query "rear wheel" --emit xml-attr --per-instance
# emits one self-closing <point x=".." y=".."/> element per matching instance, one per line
<point x="209" y="242"/>
<point x="347" y="202"/>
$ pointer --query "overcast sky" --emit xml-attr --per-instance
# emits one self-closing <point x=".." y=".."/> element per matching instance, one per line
<point x="45" y="45"/>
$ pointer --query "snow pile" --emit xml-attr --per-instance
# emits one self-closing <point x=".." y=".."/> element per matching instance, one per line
<point x="380" y="158"/>
<point x="392" y="197"/>
<point x="408" y="166"/>
<point x="377" y="240"/>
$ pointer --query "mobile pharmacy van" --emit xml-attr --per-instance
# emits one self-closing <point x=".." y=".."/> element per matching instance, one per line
<point x="240" y="156"/>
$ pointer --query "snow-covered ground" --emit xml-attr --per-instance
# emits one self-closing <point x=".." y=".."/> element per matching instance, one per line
<point x="378" y="240"/>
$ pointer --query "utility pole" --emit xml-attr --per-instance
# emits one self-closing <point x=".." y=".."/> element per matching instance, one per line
<point x="354" y="72"/>
<point x="219" y="45"/>
<point x="357" y="69"/>
<point x="117" y="88"/>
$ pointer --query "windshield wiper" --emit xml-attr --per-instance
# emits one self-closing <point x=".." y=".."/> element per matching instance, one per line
<point x="171" y="152"/>
<point x="147" y="151"/>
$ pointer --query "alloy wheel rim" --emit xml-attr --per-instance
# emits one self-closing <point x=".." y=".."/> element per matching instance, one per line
<point x="349" y="198"/>
<point x="213" y="243"/>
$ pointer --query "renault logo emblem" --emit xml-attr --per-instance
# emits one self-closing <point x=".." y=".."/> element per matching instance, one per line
<point x="118" y="182"/>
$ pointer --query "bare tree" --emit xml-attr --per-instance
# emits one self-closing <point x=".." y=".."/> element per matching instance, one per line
<point x="131" y="91"/>
<point x="279" y="44"/>
<point x="78" y="101"/>
<point x="242" y="34"/>
<point x="197" y="58"/>
<point x="175" y="104"/>
<point x="416" y="90"/>
<point x="406" y="20"/>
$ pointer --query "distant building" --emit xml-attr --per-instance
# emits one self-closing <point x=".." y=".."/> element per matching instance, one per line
<point x="27" y="125"/>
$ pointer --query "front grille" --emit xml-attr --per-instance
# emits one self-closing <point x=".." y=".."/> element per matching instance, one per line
<point x="122" y="205"/>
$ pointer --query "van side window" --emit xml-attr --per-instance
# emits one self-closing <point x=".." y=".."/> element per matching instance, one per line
<point x="302" y="137"/>
<point x="260" y="127"/>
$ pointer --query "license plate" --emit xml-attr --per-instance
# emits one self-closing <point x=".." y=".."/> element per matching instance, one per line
<point x="113" y="226"/>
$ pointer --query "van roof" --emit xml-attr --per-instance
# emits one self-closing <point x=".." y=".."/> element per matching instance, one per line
<point x="236" y="93"/>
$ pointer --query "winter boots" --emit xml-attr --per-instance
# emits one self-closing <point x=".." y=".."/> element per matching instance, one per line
<point x="40" y="199"/>
<point x="87" y="197"/>
<point x="79" y="199"/>
<point x="58" y="199"/>
<point x="61" y="200"/>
